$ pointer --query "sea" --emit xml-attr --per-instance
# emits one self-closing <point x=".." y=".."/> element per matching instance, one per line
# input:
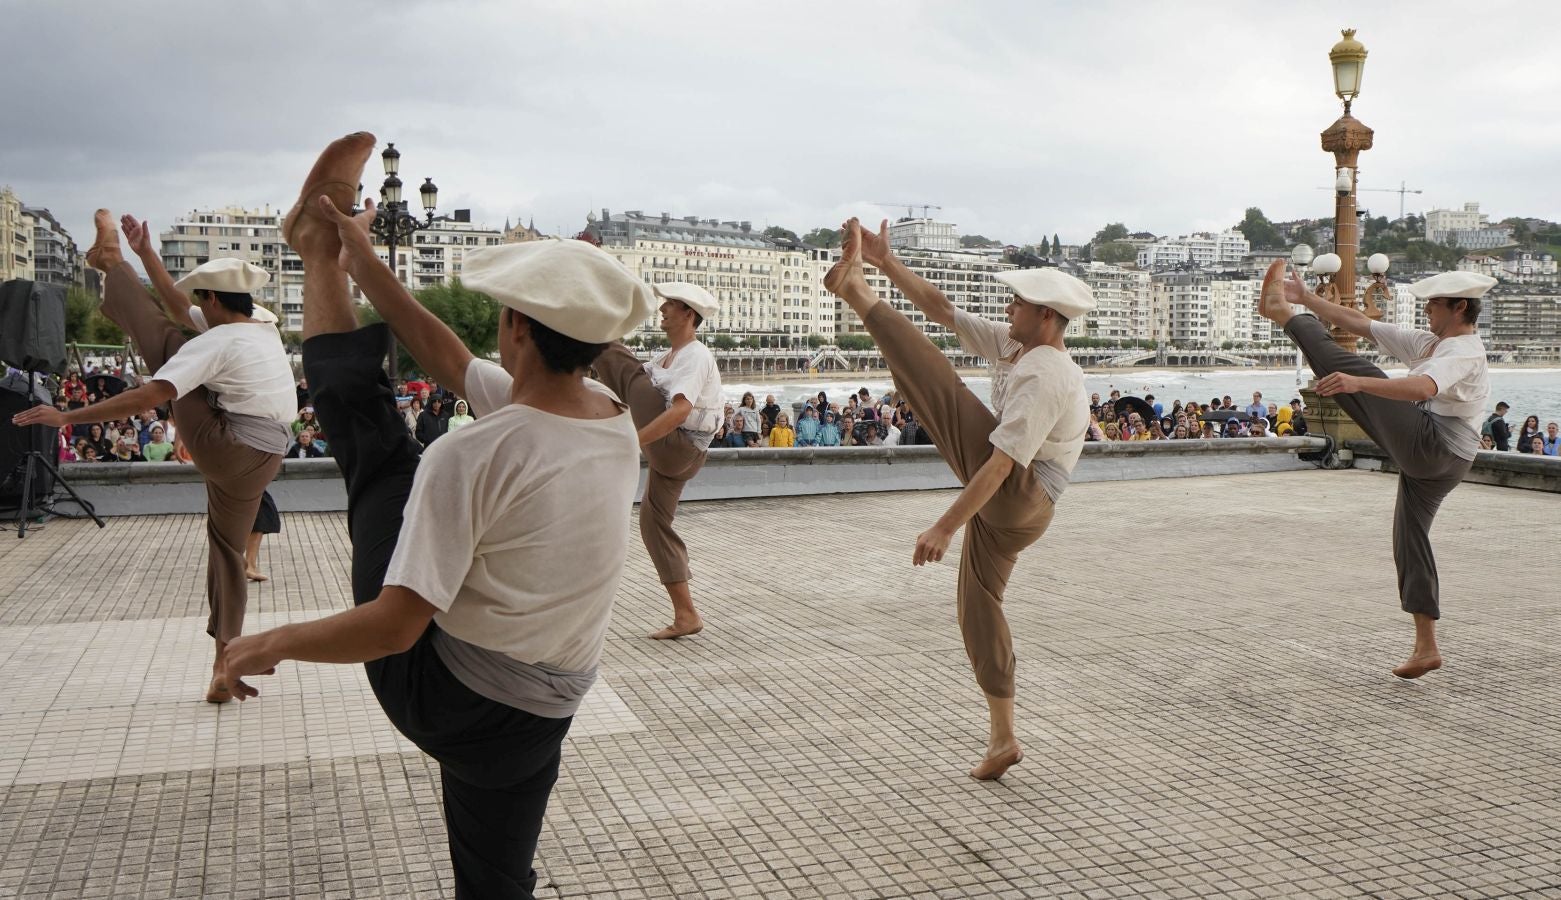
<point x="1528" y="391"/>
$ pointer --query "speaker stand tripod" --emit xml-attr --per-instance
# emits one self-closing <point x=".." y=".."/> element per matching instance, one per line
<point x="27" y="470"/>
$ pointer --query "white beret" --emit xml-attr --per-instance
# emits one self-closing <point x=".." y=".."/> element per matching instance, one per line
<point x="229" y="275"/>
<point x="570" y="286"/>
<point x="1048" y="287"/>
<point x="697" y="298"/>
<point x="1469" y="285"/>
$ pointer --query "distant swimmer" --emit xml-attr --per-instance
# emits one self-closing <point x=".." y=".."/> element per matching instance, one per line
<point x="1428" y="421"/>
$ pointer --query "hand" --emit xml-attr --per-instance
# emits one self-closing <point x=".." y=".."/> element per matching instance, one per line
<point x="248" y="656"/>
<point x="1295" y="289"/>
<point x="353" y="230"/>
<point x="931" y="545"/>
<point x="875" y="247"/>
<point x="137" y="235"/>
<point x="1338" y="383"/>
<point x="40" y="415"/>
<point x="848" y="271"/>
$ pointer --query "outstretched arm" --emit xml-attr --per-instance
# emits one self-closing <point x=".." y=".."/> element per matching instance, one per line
<point x="148" y="396"/>
<point x="677" y="413"/>
<point x="932" y="302"/>
<point x="1350" y="319"/>
<point x="140" y="239"/>
<point x="437" y="349"/>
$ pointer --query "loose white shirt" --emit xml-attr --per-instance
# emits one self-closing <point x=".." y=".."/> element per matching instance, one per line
<point x="244" y="364"/>
<point x="517" y="529"/>
<point x="1042" y="409"/>
<point x="690" y="372"/>
<point x="1457" y="365"/>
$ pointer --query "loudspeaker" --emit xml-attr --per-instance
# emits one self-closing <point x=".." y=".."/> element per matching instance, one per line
<point x="32" y="326"/>
<point x="15" y="441"/>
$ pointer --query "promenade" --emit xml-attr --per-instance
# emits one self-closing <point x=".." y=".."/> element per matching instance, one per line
<point x="1204" y="699"/>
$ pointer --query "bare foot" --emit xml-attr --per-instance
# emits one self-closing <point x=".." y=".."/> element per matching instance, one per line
<point x="1271" y="302"/>
<point x="336" y="175"/>
<point x="997" y="763"/>
<point x="1419" y="664"/>
<point x="218" y="691"/>
<point x="105" y="253"/>
<point x="252" y="575"/>
<point x="676" y="630"/>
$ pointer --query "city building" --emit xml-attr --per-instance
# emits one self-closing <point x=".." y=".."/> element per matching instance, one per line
<point x="254" y="236"/>
<point x="1232" y="309"/>
<point x="1528" y="267"/>
<point x="16" y="238"/>
<point x="923" y="234"/>
<point x="1482" y="264"/>
<point x="1185" y="297"/>
<point x="438" y="251"/>
<point x="55" y="258"/>
<point x="1123" y="304"/>
<point x="964" y="276"/>
<point x="520" y="234"/>
<point x="1522" y="316"/>
<point x="1203" y="250"/>
<point x="1467" y="228"/>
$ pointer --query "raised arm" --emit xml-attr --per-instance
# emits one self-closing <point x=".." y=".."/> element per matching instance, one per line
<point x="437" y="349"/>
<point x="139" y="236"/>
<point x="923" y="295"/>
<point x="1352" y="320"/>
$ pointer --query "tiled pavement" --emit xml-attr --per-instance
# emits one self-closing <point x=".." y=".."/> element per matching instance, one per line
<point x="1203" y="697"/>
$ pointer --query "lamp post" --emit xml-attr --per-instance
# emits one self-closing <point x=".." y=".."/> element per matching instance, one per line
<point x="1300" y="259"/>
<point x="1345" y="139"/>
<point x="394" y="226"/>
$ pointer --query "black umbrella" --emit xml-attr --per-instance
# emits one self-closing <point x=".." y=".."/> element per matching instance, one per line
<point x="1220" y="415"/>
<point x="1139" y="405"/>
<point x="112" y="385"/>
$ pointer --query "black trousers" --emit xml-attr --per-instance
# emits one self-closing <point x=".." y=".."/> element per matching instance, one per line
<point x="497" y="764"/>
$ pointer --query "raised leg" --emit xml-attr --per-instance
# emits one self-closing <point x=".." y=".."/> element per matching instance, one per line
<point x="960" y="424"/>
<point x="1395" y="425"/>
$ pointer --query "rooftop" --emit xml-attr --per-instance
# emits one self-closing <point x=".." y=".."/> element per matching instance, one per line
<point x="1203" y="696"/>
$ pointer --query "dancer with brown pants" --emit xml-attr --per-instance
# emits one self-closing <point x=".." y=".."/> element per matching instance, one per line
<point x="676" y="402"/>
<point x="1014" y="464"/>
<point x="232" y="394"/>
<point x="1428" y="421"/>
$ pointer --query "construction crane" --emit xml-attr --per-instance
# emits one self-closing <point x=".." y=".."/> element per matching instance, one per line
<point x="909" y="207"/>
<point x="1401" y="190"/>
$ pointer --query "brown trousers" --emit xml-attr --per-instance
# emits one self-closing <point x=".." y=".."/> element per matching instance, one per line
<point x="236" y="474"/>
<point x="1015" y="517"/>
<point x="670" y="461"/>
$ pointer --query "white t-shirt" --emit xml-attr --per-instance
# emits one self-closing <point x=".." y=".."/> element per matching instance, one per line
<point x="692" y="373"/>
<point x="1039" y="399"/>
<point x="243" y="364"/>
<point x="1456" y="364"/>
<point x="517" y="527"/>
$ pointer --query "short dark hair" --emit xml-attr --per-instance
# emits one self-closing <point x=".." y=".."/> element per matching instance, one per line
<point x="1471" y="313"/>
<point x="560" y="352"/>
<point x="243" y="304"/>
<point x="698" y="319"/>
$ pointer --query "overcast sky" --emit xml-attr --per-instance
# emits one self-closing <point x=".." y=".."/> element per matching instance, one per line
<point x="1020" y="119"/>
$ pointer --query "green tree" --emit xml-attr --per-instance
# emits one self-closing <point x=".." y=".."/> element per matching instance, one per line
<point x="85" y="322"/>
<point x="1115" y="252"/>
<point x="979" y="241"/>
<point x="1260" y="232"/>
<point x="1056" y="244"/>
<point x="472" y="315"/>
<point x="750" y="342"/>
<point x="724" y="342"/>
<point x="822" y="237"/>
<point x="775" y="233"/>
<point x="632" y="340"/>
<point x="855" y="342"/>
<point x="1116" y="231"/>
<point x="1044" y="249"/>
<point x="815" y="341"/>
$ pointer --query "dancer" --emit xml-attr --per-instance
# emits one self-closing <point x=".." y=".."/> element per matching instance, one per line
<point x="483" y="577"/>
<point x="1014" y="464"/>
<point x="676" y="402"/>
<point x="1428" y="421"/>
<point x="231" y="389"/>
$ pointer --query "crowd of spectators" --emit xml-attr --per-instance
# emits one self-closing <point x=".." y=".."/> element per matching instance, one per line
<point x="1119" y="418"/>
<point x="1497" y="435"/>
<point x="152" y="436"/>
<point x="862" y="420"/>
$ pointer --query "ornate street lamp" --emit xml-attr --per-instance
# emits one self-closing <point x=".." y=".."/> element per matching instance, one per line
<point x="393" y="225"/>
<point x="1345" y="139"/>
<point x="1377" y="293"/>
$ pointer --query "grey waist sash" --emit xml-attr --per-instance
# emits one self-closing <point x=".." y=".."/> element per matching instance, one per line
<point x="1455" y="435"/>
<point x="259" y="432"/>
<point x="1053" y="477"/>
<point x="535" y="688"/>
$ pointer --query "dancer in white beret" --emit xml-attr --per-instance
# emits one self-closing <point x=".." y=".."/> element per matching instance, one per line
<point x="1014" y="462"/>
<point x="1427" y="421"/>
<point x="483" y="568"/>
<point x="231" y="390"/>
<point x="676" y="402"/>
